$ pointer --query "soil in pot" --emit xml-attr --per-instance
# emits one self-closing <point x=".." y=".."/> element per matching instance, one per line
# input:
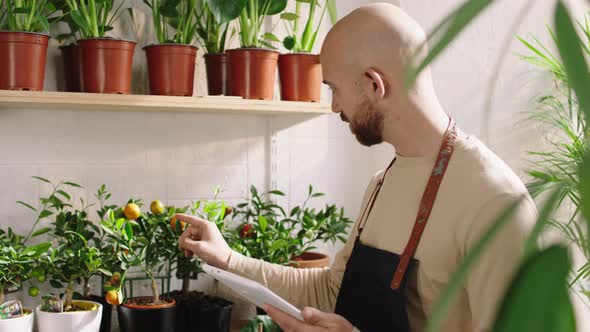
<point x="217" y="67"/>
<point x="142" y="315"/>
<point x="70" y="55"/>
<point x="22" y="60"/>
<point x="171" y="69"/>
<point x="200" y="312"/>
<point x="252" y="73"/>
<point x="106" y="65"/>
<point x="300" y="77"/>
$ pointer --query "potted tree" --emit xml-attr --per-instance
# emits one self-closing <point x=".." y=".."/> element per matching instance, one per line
<point x="73" y="260"/>
<point x="106" y="62"/>
<point x="23" y="48"/>
<point x="197" y="311"/>
<point x="300" y="72"/>
<point x="171" y="62"/>
<point x="267" y="232"/>
<point x="142" y="241"/>
<point x="252" y="69"/>
<point x="213" y="28"/>
<point x="19" y="264"/>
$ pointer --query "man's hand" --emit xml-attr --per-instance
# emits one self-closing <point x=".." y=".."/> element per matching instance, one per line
<point x="202" y="238"/>
<point x="315" y="321"/>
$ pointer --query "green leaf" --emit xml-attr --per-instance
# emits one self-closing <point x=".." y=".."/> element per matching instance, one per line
<point x="289" y="16"/>
<point x="41" y="179"/>
<point x="105" y="272"/>
<point x="55" y="284"/>
<point x="129" y="230"/>
<point x="27" y="205"/>
<point x="64" y="194"/>
<point x="43" y="22"/>
<point x="72" y="184"/>
<point x="37" y="250"/>
<point x="275" y="192"/>
<point x="455" y="285"/>
<point x="538" y="299"/>
<point x="40" y="231"/>
<point x="275" y="7"/>
<point x="45" y="214"/>
<point x="262" y="222"/>
<point x="454" y="24"/>
<point x="226" y="10"/>
<point x="289" y="42"/>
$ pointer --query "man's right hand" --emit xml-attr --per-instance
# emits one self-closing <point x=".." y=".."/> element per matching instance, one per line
<point x="203" y="239"/>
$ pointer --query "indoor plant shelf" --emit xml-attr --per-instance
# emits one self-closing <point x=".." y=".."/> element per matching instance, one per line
<point x="143" y="103"/>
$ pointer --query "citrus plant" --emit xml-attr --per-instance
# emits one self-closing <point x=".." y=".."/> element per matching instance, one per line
<point x="19" y="263"/>
<point x="304" y="41"/>
<point x="267" y="232"/>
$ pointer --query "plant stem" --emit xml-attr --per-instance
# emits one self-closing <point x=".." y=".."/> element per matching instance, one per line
<point x="155" y="292"/>
<point x="185" y="285"/>
<point x="2" y="293"/>
<point x="86" y="288"/>
<point x="69" y="294"/>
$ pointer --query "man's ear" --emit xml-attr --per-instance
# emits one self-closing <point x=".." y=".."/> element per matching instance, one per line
<point x="378" y="83"/>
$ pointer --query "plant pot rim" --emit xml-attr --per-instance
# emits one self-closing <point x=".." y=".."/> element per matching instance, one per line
<point x="170" y="44"/>
<point x="96" y="307"/>
<point x="28" y="312"/>
<point x="28" y="33"/>
<point x="148" y="307"/>
<point x="108" y="39"/>
<point x="229" y="303"/>
<point x="68" y="45"/>
<point x="300" y="53"/>
<point x="215" y="54"/>
<point x="252" y="49"/>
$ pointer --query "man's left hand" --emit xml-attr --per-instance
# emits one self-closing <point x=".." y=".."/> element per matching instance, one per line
<point x="315" y="321"/>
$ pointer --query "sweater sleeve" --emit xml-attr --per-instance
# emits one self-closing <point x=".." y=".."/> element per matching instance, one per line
<point x="316" y="287"/>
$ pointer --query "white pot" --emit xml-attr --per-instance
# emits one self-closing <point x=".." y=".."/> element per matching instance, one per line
<point x="20" y="324"/>
<point x="77" y="321"/>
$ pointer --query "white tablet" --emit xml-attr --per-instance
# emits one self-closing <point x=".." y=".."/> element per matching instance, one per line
<point x="252" y="291"/>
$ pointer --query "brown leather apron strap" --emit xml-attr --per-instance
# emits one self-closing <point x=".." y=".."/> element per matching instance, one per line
<point x="427" y="202"/>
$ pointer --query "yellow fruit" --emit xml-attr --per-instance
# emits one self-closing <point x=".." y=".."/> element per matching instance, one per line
<point x="157" y="207"/>
<point x="173" y="223"/>
<point x="132" y="211"/>
<point x="112" y="297"/>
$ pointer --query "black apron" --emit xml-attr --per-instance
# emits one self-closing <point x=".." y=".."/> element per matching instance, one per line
<point x="373" y="291"/>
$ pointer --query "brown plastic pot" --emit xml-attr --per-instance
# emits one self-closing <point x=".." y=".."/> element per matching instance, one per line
<point x="301" y="77"/>
<point x="106" y="65"/>
<point x="252" y="73"/>
<point x="217" y="66"/>
<point x="70" y="55"/>
<point x="171" y="69"/>
<point x="309" y="260"/>
<point x="22" y="60"/>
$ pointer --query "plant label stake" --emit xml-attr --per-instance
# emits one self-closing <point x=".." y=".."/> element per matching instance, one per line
<point x="11" y="309"/>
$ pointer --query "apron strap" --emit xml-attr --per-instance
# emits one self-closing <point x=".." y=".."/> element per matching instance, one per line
<point x="427" y="202"/>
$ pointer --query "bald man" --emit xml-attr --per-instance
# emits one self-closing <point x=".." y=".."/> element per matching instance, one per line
<point x="419" y="217"/>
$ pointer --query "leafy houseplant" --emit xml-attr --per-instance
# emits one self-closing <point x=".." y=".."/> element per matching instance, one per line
<point x="143" y="241"/>
<point x="22" y="43"/>
<point x="212" y="27"/>
<point x="19" y="264"/>
<point x="267" y="232"/>
<point x="252" y="69"/>
<point x="569" y="138"/>
<point x="300" y="72"/>
<point x="197" y="311"/>
<point x="106" y="62"/>
<point x="171" y="62"/>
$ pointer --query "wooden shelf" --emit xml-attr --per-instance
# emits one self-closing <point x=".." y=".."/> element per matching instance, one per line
<point x="145" y="103"/>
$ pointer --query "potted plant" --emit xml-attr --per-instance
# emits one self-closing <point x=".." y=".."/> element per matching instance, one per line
<point x="142" y="241"/>
<point x="106" y="62"/>
<point x="252" y="69"/>
<point x="70" y="50"/>
<point x="267" y="232"/>
<point x="73" y="260"/>
<point x="171" y="62"/>
<point x="197" y="311"/>
<point x="19" y="264"/>
<point x="300" y="72"/>
<point x="23" y="46"/>
<point x="213" y="28"/>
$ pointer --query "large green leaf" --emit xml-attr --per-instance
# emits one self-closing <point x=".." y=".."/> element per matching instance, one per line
<point x="274" y="6"/>
<point x="447" y="31"/>
<point x="537" y="299"/>
<point x="226" y="10"/>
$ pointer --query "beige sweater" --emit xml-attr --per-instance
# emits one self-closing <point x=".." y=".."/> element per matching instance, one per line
<point x="476" y="188"/>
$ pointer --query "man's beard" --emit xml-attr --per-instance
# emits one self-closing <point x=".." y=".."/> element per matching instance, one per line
<point x="367" y="123"/>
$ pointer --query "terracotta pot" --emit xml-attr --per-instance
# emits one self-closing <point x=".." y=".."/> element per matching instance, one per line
<point x="153" y="318"/>
<point x="252" y="73"/>
<point x="22" y="60"/>
<point x="70" y="55"/>
<point x="310" y="260"/>
<point x="217" y="66"/>
<point x="106" y="65"/>
<point x="301" y="77"/>
<point x="171" y="69"/>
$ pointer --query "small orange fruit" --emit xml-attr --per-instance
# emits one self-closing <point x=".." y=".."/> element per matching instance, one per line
<point x="132" y="211"/>
<point x="112" y="297"/>
<point x="157" y="207"/>
<point x="173" y="223"/>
